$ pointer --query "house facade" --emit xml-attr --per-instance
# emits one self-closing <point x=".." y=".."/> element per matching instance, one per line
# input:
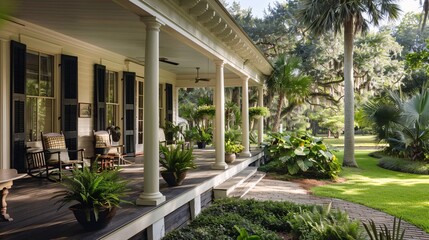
<point x="84" y="65"/>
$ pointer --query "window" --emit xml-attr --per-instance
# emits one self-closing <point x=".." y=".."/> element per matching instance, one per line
<point x="112" y="104"/>
<point x="39" y="94"/>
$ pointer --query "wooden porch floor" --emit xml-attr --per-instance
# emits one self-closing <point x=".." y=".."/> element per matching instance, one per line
<point x="36" y="216"/>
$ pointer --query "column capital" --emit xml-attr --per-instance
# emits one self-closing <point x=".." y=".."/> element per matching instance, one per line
<point x="219" y="62"/>
<point x="245" y="78"/>
<point x="152" y="22"/>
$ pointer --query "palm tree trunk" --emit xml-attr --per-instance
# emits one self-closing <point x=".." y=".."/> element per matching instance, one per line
<point x="425" y="16"/>
<point x="279" y="112"/>
<point x="349" y="158"/>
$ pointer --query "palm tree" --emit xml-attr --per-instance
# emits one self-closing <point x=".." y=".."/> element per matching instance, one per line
<point x="349" y="16"/>
<point x="425" y="13"/>
<point x="288" y="83"/>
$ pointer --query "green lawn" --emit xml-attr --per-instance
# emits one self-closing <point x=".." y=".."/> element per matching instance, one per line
<point x="360" y="141"/>
<point x="399" y="194"/>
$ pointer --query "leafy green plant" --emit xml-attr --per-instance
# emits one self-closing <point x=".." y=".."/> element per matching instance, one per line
<point x="255" y="112"/>
<point x="261" y="218"/>
<point x="244" y="235"/>
<point x="385" y="233"/>
<point x="191" y="134"/>
<point x="205" y="111"/>
<point x="204" y="136"/>
<point x="303" y="153"/>
<point x="175" y="159"/>
<point x="322" y="223"/>
<point x="231" y="147"/>
<point x="92" y="190"/>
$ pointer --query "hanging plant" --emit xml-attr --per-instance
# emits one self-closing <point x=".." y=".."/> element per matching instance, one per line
<point x="257" y="112"/>
<point x="206" y="111"/>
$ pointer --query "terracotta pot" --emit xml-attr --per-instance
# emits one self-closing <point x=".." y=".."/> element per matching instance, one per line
<point x="105" y="215"/>
<point x="171" y="179"/>
<point x="229" y="157"/>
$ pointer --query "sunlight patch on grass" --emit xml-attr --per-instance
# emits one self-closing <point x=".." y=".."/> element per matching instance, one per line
<point x="400" y="194"/>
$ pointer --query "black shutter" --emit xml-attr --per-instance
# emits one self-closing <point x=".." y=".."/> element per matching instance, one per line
<point x="169" y="109"/>
<point x="18" y="61"/>
<point x="69" y="101"/>
<point x="100" y="97"/>
<point x="129" y="112"/>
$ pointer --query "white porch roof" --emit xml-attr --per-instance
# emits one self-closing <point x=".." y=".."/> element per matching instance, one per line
<point x="195" y="33"/>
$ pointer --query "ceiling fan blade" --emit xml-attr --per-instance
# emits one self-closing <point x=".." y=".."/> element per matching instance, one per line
<point x="165" y="60"/>
<point x="201" y="79"/>
<point x="197" y="79"/>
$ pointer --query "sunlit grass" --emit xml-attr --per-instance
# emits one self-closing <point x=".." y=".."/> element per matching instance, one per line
<point x="400" y="194"/>
<point x="360" y="141"/>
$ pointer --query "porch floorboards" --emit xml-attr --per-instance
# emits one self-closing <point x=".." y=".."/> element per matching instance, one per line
<point x="36" y="216"/>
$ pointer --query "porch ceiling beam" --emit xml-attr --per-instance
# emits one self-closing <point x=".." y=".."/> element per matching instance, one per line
<point x="230" y="38"/>
<point x="219" y="28"/>
<point x="199" y="9"/>
<point x="188" y="3"/>
<point x="206" y="16"/>
<point x="214" y="22"/>
<point x="225" y="33"/>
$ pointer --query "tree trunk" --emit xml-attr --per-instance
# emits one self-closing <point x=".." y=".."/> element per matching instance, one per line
<point x="349" y="158"/>
<point x="235" y="98"/>
<point x="278" y="113"/>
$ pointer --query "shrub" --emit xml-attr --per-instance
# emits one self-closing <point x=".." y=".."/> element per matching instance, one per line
<point x="404" y="165"/>
<point x="303" y="153"/>
<point x="384" y="233"/>
<point x="261" y="218"/>
<point x="324" y="224"/>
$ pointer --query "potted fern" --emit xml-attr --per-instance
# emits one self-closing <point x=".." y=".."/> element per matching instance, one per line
<point x="175" y="162"/>
<point x="97" y="194"/>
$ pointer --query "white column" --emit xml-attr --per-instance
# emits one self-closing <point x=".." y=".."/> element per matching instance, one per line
<point x="261" y="119"/>
<point x="4" y="105"/>
<point x="245" y="117"/>
<point x="220" y="118"/>
<point x="151" y="194"/>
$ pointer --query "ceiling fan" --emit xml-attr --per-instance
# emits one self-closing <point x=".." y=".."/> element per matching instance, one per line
<point x="198" y="78"/>
<point x="165" y="60"/>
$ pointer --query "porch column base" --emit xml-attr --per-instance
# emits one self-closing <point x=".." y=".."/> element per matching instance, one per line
<point x="246" y="154"/>
<point x="150" y="199"/>
<point x="220" y="166"/>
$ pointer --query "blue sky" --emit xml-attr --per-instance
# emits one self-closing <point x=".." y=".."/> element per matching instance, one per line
<point x="258" y="6"/>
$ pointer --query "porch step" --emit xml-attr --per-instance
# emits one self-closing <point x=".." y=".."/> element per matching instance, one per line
<point x="247" y="185"/>
<point x="227" y="187"/>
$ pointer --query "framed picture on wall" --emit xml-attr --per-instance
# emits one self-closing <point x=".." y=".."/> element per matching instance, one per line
<point x="85" y="110"/>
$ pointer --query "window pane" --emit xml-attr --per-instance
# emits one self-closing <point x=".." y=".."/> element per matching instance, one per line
<point x="140" y="101"/>
<point x="31" y="119"/>
<point x="112" y="111"/>
<point x="39" y="115"/>
<point x="112" y="87"/>
<point x="45" y="115"/>
<point x="46" y="76"/>
<point x="32" y="70"/>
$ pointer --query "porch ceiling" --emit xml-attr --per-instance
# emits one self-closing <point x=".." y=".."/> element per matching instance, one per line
<point x="108" y="25"/>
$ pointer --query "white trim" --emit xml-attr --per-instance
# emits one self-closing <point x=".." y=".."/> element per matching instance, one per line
<point x="4" y="105"/>
<point x="39" y="45"/>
